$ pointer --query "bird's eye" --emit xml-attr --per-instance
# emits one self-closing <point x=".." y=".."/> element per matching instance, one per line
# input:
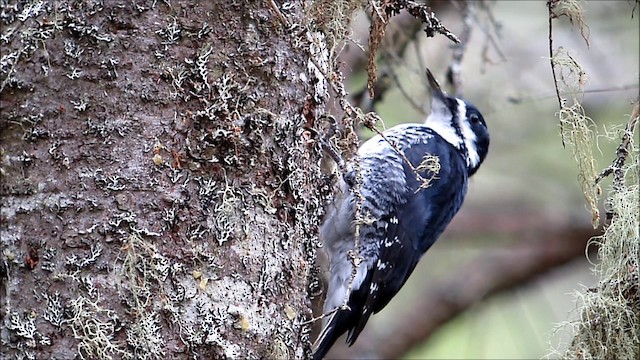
<point x="474" y="119"/>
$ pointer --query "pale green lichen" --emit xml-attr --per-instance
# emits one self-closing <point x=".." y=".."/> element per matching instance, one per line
<point x="94" y="326"/>
<point x="578" y="132"/>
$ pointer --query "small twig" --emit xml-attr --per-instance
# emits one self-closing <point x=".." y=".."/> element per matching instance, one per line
<point x="329" y="149"/>
<point x="319" y="317"/>
<point x="428" y="17"/>
<point x="623" y="150"/>
<point x="519" y="100"/>
<point x="378" y="11"/>
<point x="550" y="4"/>
<point x="553" y="67"/>
<point x="281" y="16"/>
<point x="333" y="153"/>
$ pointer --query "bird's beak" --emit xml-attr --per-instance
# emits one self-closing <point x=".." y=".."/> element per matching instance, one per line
<point x="436" y="91"/>
<point x="440" y="111"/>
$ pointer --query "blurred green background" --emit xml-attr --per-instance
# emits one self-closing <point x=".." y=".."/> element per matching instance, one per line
<point x="527" y="169"/>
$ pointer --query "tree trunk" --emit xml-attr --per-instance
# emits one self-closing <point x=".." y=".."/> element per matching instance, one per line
<point x="160" y="197"/>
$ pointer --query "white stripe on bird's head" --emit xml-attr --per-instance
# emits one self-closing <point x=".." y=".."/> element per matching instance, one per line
<point x="469" y="137"/>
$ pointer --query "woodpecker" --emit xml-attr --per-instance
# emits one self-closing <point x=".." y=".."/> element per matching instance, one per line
<point x="413" y="181"/>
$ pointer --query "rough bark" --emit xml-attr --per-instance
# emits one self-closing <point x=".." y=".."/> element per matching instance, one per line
<point x="159" y="197"/>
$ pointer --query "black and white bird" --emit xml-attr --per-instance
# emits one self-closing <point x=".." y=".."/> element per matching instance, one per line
<point x="403" y="215"/>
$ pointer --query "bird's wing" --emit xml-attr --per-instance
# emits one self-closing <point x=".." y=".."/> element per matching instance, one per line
<point x="431" y="198"/>
<point x="402" y="219"/>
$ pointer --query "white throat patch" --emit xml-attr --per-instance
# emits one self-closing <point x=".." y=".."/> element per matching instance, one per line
<point x="440" y="121"/>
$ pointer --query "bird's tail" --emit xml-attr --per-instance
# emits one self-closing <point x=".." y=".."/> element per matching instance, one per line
<point x="335" y="327"/>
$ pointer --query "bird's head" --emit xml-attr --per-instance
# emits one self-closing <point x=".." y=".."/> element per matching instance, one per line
<point x="459" y="123"/>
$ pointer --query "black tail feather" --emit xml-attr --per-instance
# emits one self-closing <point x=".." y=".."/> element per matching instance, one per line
<point x="338" y="324"/>
<point x="350" y="320"/>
